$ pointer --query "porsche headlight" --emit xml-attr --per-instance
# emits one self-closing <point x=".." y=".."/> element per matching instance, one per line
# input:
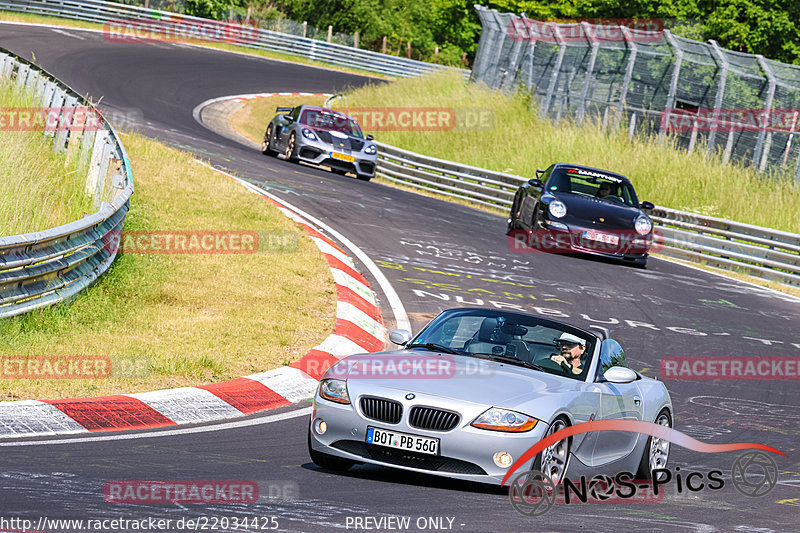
<point x="308" y="134"/>
<point x="557" y="208"/>
<point x="497" y="419"/>
<point x="334" y="390"/>
<point x="369" y="150"/>
<point x="642" y="225"/>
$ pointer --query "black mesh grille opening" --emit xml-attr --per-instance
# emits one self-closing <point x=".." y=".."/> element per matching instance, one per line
<point x="409" y="459"/>
<point x="324" y="136"/>
<point x="367" y="166"/>
<point x="433" y="419"/>
<point x="382" y="410"/>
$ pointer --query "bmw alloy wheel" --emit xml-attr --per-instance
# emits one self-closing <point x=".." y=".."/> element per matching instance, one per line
<point x="554" y="458"/>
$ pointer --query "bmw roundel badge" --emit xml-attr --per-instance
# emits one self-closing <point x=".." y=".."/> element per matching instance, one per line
<point x="410" y="396"/>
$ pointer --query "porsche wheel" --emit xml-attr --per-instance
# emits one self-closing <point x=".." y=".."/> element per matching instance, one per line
<point x="291" y="148"/>
<point x="656" y="453"/>
<point x="266" y="146"/>
<point x="328" y="462"/>
<point x="554" y="459"/>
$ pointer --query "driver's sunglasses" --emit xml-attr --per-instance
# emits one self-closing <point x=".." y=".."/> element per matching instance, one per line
<point x="568" y="344"/>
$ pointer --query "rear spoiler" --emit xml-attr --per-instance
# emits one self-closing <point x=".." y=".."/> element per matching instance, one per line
<point x="284" y="109"/>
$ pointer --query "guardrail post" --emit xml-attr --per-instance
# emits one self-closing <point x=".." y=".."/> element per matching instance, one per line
<point x="95" y="162"/>
<point x="65" y="121"/>
<point x="32" y="82"/>
<point x="22" y="75"/>
<point x="55" y="107"/>
<point x="673" y="84"/>
<point x="105" y="162"/>
<point x="761" y="151"/>
<point x="723" y="61"/>
<point x="633" y="50"/>
<point x="590" y="37"/>
<point x="47" y="94"/>
<point x="8" y="66"/>
<point x="556" y="70"/>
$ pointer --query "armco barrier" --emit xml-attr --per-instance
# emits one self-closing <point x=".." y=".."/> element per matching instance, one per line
<point x="47" y="267"/>
<point x="764" y="253"/>
<point x="155" y="20"/>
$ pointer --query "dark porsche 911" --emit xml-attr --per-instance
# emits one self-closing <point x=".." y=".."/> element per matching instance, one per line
<point x="572" y="208"/>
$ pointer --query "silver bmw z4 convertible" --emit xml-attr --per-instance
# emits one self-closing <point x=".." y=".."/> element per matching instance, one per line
<point x="476" y="388"/>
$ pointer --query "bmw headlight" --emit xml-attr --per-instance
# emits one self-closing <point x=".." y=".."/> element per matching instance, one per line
<point x="643" y="225"/>
<point x="308" y="134"/>
<point x="557" y="208"/>
<point x="369" y="150"/>
<point x="334" y="390"/>
<point x="497" y="419"/>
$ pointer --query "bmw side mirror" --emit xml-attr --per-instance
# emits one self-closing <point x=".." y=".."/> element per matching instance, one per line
<point x="619" y="374"/>
<point x="535" y="182"/>
<point x="647" y="205"/>
<point x="400" y="336"/>
<point x="370" y="138"/>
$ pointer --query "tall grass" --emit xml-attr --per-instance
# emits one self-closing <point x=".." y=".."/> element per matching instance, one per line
<point x="519" y="142"/>
<point x="38" y="189"/>
<point x="179" y="320"/>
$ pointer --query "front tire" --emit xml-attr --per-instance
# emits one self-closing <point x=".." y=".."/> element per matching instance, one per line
<point x="328" y="462"/>
<point x="266" y="146"/>
<point x="291" y="148"/>
<point x="554" y="460"/>
<point x="656" y="453"/>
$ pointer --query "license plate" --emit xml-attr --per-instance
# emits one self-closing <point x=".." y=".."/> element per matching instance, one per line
<point x="402" y="441"/>
<point x="343" y="157"/>
<point x="601" y="237"/>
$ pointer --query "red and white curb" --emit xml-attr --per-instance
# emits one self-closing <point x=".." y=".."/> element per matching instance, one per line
<point x="243" y="98"/>
<point x="359" y="328"/>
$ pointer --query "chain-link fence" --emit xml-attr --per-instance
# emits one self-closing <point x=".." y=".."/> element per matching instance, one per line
<point x="640" y="76"/>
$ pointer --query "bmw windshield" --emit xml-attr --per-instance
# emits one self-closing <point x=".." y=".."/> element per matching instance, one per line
<point x="512" y="338"/>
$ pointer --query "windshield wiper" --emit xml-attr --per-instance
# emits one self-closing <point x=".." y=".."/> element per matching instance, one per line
<point x="435" y="347"/>
<point x="512" y="360"/>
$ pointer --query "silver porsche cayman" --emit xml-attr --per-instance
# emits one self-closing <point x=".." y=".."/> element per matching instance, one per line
<point x="475" y="389"/>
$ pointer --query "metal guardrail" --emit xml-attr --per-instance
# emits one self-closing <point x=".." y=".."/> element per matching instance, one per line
<point x="46" y="267"/>
<point x="160" y="22"/>
<point x="761" y="252"/>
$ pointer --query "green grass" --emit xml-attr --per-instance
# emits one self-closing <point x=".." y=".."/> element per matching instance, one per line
<point x="38" y="189"/>
<point x="180" y="320"/>
<point x="519" y="142"/>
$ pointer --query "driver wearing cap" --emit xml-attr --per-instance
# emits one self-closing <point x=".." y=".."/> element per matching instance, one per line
<point x="572" y="349"/>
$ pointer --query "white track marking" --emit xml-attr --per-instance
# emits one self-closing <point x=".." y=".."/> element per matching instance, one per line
<point x="35" y="417"/>
<point x="170" y="432"/>
<point x="399" y="311"/>
<point x="187" y="404"/>
<point x="291" y="383"/>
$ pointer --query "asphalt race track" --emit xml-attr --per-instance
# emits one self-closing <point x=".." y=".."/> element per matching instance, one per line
<point x="436" y="255"/>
